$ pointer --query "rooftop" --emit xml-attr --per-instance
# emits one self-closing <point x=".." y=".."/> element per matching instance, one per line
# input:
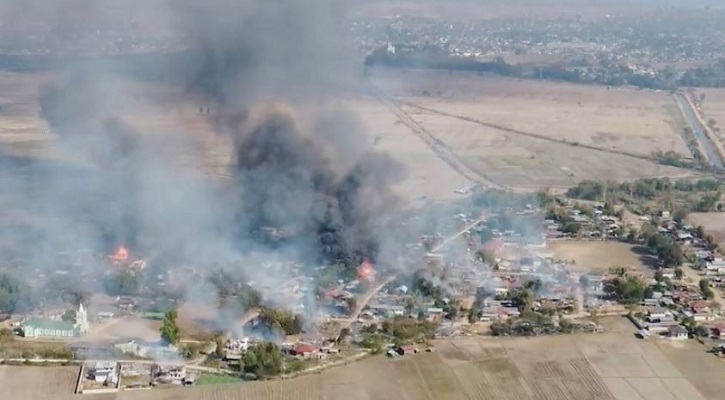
<point x="44" y="323"/>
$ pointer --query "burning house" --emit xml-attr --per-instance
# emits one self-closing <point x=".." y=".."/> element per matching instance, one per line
<point x="366" y="272"/>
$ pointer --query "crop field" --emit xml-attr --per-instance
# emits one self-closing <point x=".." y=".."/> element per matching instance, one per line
<point x="608" y="366"/>
<point x="38" y="383"/>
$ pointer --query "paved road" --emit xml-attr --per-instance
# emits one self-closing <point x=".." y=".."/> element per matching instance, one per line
<point x="698" y="130"/>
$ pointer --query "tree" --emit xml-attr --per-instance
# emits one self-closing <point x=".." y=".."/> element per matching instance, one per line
<point x="351" y="304"/>
<point x="584" y="281"/>
<point x="15" y="294"/>
<point x="169" y="330"/>
<point x="69" y="315"/>
<point x="219" y="342"/>
<point x="629" y="290"/>
<point x="122" y="283"/>
<point x="473" y="315"/>
<point x="263" y="360"/>
<point x="702" y="331"/>
<point x="700" y="232"/>
<point x="5" y="335"/>
<point x="659" y="276"/>
<point x="374" y="342"/>
<point x="286" y="321"/>
<point x="344" y="332"/>
<point x="678" y="273"/>
<point x="525" y="299"/>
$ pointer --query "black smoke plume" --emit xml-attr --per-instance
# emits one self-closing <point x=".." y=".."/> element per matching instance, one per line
<point x="299" y="185"/>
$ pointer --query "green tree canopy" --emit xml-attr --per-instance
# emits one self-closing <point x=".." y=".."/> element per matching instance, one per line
<point x="263" y="360"/>
<point x="169" y="330"/>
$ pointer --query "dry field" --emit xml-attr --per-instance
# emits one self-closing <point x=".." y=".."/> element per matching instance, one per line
<point x="610" y="366"/>
<point x="554" y="121"/>
<point x="169" y="116"/>
<point x="38" y="383"/>
<point x="713" y="107"/>
<point x="713" y="222"/>
<point x="597" y="255"/>
<point x="611" y="120"/>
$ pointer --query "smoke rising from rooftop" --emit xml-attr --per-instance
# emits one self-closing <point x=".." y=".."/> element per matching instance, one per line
<point x="272" y="73"/>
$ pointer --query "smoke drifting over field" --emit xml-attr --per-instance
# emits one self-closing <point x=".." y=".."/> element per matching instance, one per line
<point x="301" y="165"/>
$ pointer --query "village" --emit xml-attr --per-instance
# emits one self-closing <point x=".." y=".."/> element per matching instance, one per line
<point x="495" y="269"/>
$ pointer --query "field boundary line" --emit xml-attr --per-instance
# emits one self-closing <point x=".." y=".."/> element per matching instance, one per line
<point x="562" y="142"/>
<point x="434" y="144"/>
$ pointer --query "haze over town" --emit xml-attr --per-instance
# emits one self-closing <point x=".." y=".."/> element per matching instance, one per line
<point x="383" y="199"/>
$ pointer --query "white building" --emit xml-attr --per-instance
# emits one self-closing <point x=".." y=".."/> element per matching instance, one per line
<point x="676" y="332"/>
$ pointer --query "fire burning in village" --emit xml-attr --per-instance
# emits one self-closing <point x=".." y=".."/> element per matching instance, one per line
<point x="121" y="255"/>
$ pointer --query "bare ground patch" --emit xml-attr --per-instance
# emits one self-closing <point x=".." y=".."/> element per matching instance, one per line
<point x="599" y="255"/>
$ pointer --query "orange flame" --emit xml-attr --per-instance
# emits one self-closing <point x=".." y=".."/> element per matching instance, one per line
<point x="366" y="272"/>
<point x="120" y="255"/>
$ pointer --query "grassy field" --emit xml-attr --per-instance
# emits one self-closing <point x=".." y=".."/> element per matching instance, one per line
<point x="212" y="379"/>
<point x="609" y="366"/>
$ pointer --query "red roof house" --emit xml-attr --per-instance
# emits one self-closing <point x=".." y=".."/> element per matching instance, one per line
<point x="304" y="350"/>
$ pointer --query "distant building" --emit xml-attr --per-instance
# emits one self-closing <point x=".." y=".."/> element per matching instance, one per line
<point x="51" y="328"/>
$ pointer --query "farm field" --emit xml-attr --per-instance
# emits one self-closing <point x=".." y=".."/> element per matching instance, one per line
<point x="613" y="121"/>
<point x="598" y="255"/>
<point x="171" y="116"/>
<point x="609" y="366"/>
<point x="38" y="383"/>
<point x="552" y="122"/>
<point x="713" y="106"/>
<point x="713" y="222"/>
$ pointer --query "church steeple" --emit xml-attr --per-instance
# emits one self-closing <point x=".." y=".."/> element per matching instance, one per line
<point x="81" y="321"/>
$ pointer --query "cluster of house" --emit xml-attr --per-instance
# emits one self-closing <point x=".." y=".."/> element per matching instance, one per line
<point x="111" y="375"/>
<point x="664" y="311"/>
<point x="597" y="224"/>
<point x="234" y="350"/>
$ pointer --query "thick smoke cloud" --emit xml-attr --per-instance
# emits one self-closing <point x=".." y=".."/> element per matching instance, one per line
<point x="272" y="73"/>
<point x="299" y="184"/>
<point x="248" y="49"/>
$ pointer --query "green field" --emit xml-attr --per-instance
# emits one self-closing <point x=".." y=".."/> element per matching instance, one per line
<point x="213" y="379"/>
